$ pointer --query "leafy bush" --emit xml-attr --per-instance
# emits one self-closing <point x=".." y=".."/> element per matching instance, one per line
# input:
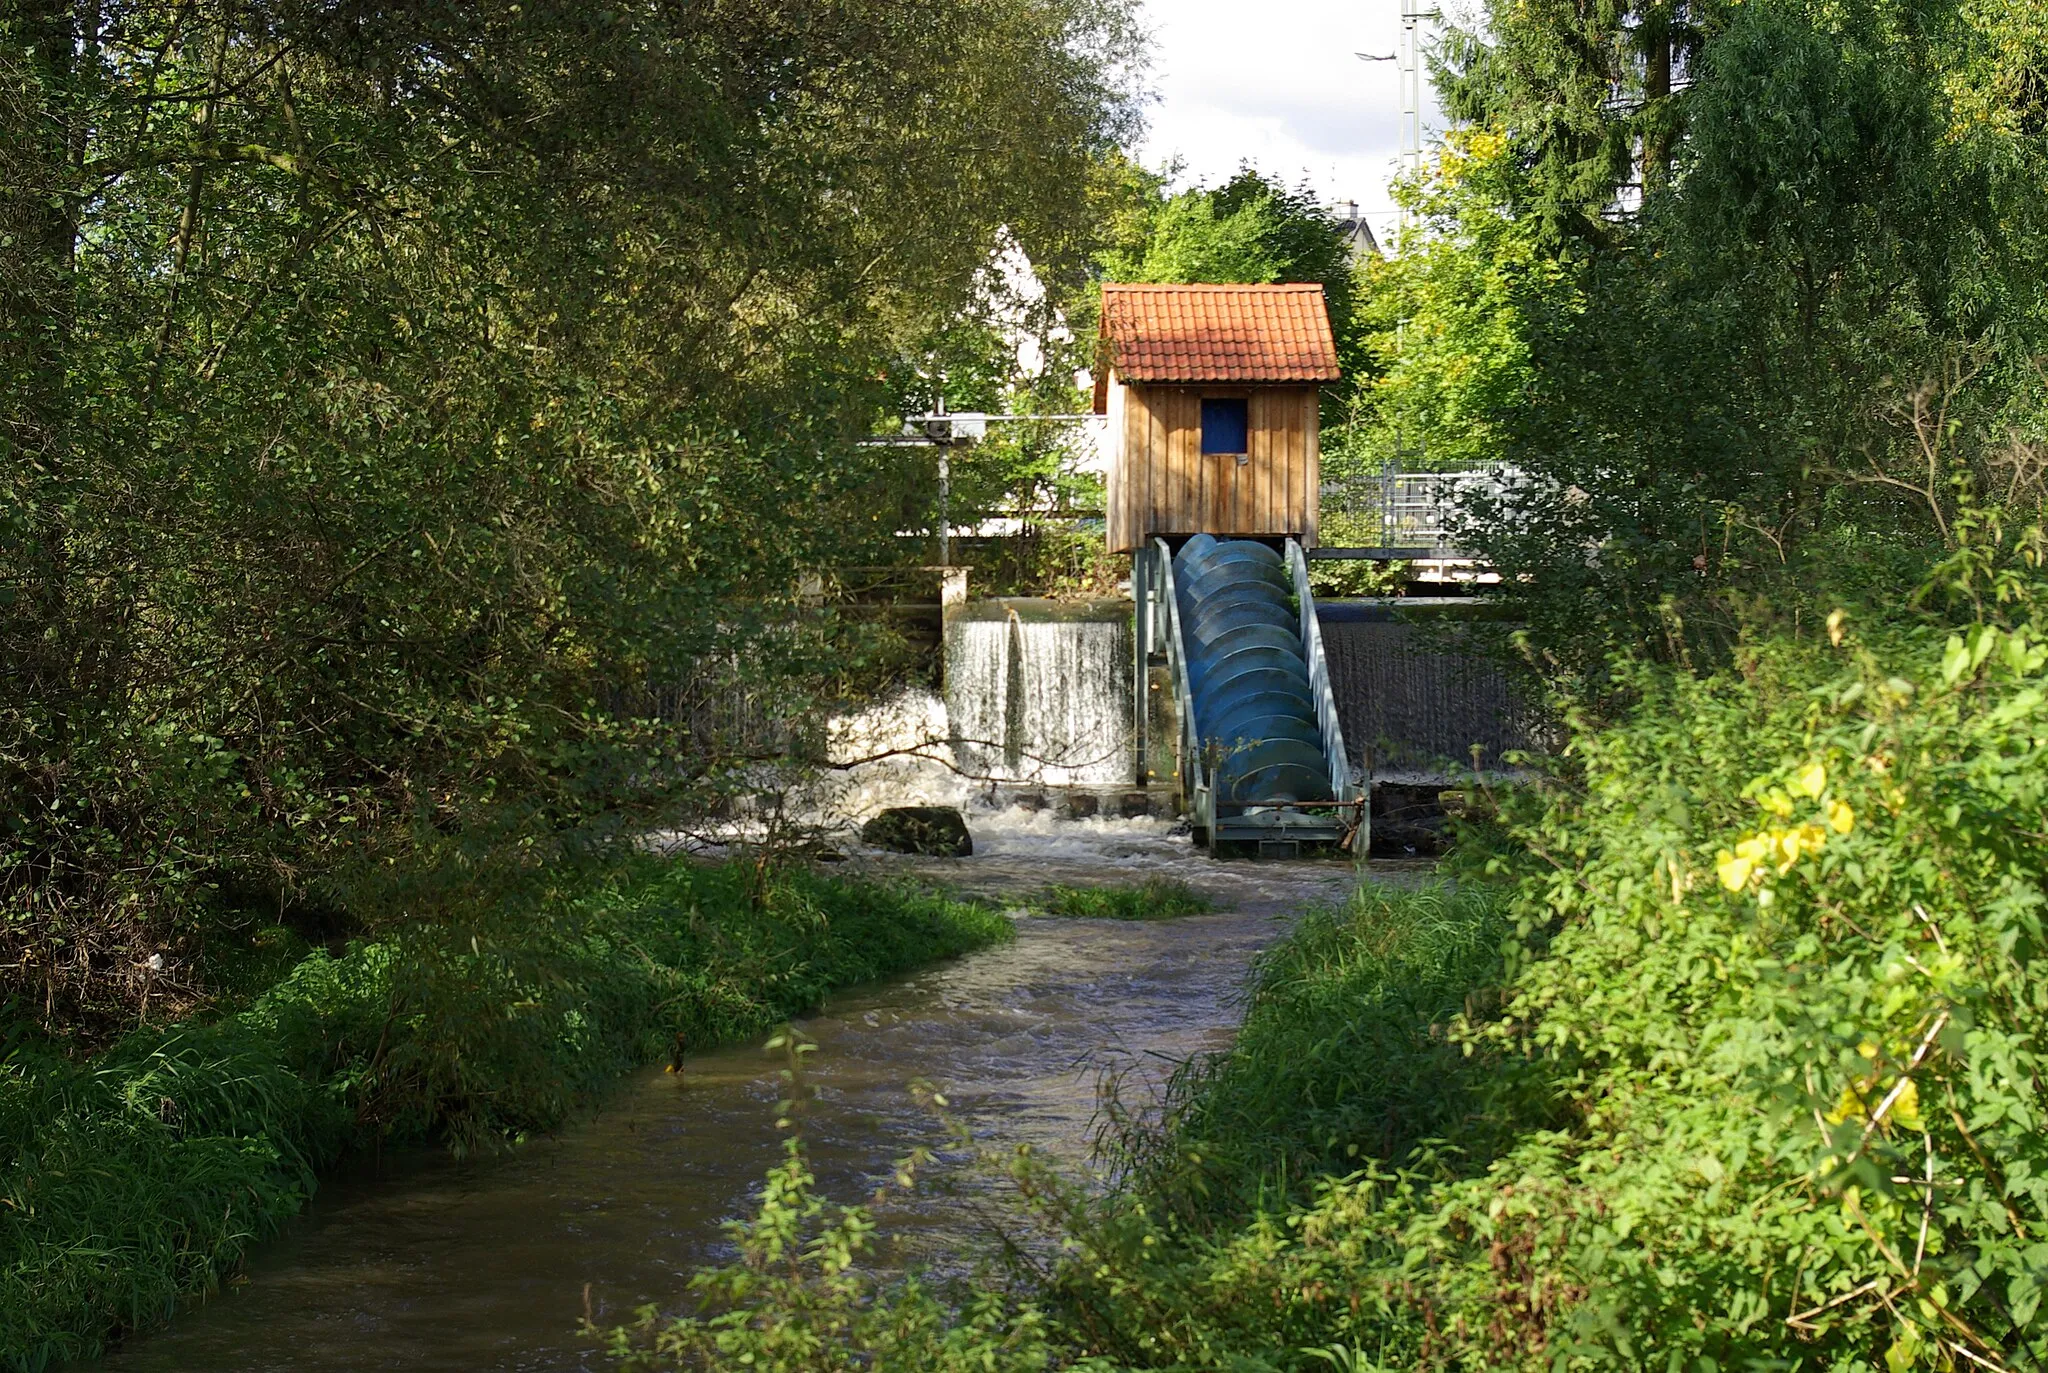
<point x="139" y="1177"/>
<point x="1155" y="898"/>
<point x="1764" y="1086"/>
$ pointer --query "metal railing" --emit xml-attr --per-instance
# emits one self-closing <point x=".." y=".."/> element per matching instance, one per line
<point x="1320" y="687"/>
<point x="1409" y="510"/>
<point x="1165" y="607"/>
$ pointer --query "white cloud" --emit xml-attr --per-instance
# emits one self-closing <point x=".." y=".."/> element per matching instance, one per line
<point x="1276" y="83"/>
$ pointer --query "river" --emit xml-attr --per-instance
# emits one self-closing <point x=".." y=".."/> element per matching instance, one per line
<point x="419" y="1262"/>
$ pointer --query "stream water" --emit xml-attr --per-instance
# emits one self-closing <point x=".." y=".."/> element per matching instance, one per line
<point x="418" y="1262"/>
<point x="424" y="1263"/>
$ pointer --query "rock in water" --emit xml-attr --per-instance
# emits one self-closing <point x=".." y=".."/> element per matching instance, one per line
<point x="930" y="831"/>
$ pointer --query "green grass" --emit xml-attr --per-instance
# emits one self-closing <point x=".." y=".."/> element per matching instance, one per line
<point x="1343" y="1057"/>
<point x="138" y="1178"/>
<point x="1156" y="898"/>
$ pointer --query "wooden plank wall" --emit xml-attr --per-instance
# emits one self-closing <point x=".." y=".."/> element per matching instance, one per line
<point x="1161" y="483"/>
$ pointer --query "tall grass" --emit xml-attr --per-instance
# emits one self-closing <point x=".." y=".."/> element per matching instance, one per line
<point x="1155" y="898"/>
<point x="138" y="1178"/>
<point x="1344" y="1055"/>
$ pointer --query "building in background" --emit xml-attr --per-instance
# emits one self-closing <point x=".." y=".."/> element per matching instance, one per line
<point x="1358" y="236"/>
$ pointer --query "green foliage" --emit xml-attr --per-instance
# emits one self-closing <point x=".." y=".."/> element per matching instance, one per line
<point x="1334" y="579"/>
<point x="398" y="407"/>
<point x="1811" y="346"/>
<point x="1594" y="95"/>
<point x="1344" y="1056"/>
<point x="1155" y="898"/>
<point x="138" y="1178"/>
<point x="1762" y="1086"/>
<point x="1250" y="229"/>
<point x="1054" y="558"/>
<point x="1445" y="323"/>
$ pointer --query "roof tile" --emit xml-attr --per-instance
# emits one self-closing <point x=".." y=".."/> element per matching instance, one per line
<point x="1277" y="333"/>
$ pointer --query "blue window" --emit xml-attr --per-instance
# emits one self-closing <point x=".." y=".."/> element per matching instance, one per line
<point x="1226" y="426"/>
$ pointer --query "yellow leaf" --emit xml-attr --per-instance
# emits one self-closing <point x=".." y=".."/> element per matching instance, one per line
<point x="1906" y="1108"/>
<point x="1734" y="871"/>
<point x="1848" y="1106"/>
<point x="1811" y="781"/>
<point x="1841" y="819"/>
<point x="1777" y="803"/>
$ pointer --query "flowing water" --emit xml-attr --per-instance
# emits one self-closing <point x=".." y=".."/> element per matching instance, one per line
<point x="423" y="1263"/>
<point x="1036" y="692"/>
<point x="1041" y="691"/>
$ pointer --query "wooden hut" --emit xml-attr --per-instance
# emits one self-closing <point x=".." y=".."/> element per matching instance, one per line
<point x="1212" y="397"/>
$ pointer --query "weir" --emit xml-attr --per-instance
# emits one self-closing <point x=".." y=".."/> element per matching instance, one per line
<point x="1037" y="691"/>
<point x="1032" y="709"/>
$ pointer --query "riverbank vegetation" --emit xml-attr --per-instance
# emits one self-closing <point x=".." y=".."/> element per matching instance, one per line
<point x="430" y="459"/>
<point x="1721" y="1053"/>
<point x="137" y="1179"/>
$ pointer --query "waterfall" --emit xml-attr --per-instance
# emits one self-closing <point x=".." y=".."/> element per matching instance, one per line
<point x="1037" y="692"/>
<point x="1040" y="691"/>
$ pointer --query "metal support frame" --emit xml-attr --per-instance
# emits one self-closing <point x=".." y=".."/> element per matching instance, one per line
<point x="1196" y="795"/>
<point x="1342" y="787"/>
<point x="1141" y="665"/>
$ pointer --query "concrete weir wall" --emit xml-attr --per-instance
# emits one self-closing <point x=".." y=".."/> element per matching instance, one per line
<point x="1037" y="696"/>
<point x="1412" y="705"/>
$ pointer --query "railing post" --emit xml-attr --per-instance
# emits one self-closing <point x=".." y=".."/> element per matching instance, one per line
<point x="1321" y="688"/>
<point x="1193" y="780"/>
<point x="1141" y="655"/>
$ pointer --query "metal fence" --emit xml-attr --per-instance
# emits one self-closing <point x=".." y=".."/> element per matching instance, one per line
<point x="1409" y="510"/>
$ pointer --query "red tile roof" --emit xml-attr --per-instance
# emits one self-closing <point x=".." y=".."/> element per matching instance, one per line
<point x="1218" y="333"/>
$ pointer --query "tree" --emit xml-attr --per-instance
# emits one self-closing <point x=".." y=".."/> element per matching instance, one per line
<point x="1445" y="323"/>
<point x="406" y="392"/>
<point x="1250" y="229"/>
<point x="1590" y="94"/>
<point x="1853" y="218"/>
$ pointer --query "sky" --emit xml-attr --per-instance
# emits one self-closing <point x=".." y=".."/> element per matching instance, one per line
<point x="1275" y="83"/>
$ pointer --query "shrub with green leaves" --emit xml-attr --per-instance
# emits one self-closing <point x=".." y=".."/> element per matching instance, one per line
<point x="1764" y="1087"/>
